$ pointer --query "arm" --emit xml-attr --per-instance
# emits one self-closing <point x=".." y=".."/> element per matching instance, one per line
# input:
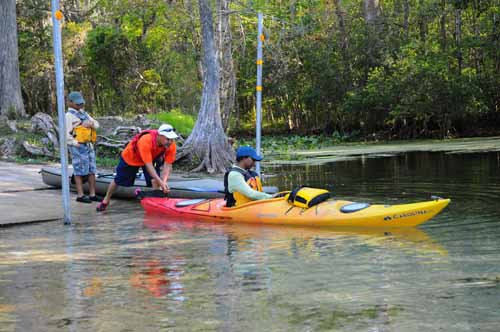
<point x="167" y="169"/>
<point x="237" y="184"/>
<point x="169" y="159"/>
<point x="151" y="170"/>
<point x="69" y="119"/>
<point x="92" y="122"/>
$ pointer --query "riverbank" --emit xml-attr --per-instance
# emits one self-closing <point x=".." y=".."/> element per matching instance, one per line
<point x="34" y="201"/>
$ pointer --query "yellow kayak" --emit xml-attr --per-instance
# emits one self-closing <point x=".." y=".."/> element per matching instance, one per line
<point x="279" y="211"/>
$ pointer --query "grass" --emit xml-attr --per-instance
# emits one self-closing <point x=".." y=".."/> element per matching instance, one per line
<point x="106" y="161"/>
<point x="183" y="123"/>
<point x="32" y="160"/>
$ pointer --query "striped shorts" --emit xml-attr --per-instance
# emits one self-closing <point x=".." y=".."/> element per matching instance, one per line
<point x="83" y="159"/>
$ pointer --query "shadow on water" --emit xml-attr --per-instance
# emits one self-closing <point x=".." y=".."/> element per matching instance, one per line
<point x="127" y="271"/>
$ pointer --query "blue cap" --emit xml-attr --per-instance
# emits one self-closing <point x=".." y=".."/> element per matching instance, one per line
<point x="76" y="97"/>
<point x="248" y="151"/>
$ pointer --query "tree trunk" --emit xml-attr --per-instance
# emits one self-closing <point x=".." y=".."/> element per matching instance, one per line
<point x="477" y="52"/>
<point x="343" y="44"/>
<point x="227" y="74"/>
<point x="11" y="100"/>
<point x="196" y="38"/>
<point x="372" y="11"/>
<point x="406" y="18"/>
<point x="442" y="25"/>
<point x="422" y="21"/>
<point x="458" y="37"/>
<point x="496" y="41"/>
<point x="208" y="141"/>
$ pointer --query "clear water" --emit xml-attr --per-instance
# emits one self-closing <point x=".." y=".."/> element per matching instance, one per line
<point x="124" y="271"/>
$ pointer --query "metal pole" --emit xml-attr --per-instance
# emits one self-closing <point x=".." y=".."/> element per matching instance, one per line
<point x="56" y="32"/>
<point x="260" y="39"/>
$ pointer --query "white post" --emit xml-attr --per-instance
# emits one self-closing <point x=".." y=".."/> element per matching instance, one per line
<point x="258" y="88"/>
<point x="56" y="33"/>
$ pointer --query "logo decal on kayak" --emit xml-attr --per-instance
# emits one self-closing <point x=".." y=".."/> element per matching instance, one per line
<point x="406" y="215"/>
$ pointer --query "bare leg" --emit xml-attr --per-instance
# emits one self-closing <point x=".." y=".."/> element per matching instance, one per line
<point x="111" y="189"/>
<point x="79" y="185"/>
<point x="92" y="185"/>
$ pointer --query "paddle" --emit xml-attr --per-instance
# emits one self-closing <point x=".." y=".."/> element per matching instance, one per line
<point x="150" y="193"/>
<point x="159" y="193"/>
<point x="197" y="189"/>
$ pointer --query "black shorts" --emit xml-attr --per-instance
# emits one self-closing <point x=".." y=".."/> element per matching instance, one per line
<point x="126" y="174"/>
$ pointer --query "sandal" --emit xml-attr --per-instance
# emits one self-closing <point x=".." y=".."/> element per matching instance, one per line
<point x="95" y="198"/>
<point x="101" y="207"/>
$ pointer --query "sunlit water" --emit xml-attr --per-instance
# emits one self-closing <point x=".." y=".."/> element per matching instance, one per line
<point x="124" y="271"/>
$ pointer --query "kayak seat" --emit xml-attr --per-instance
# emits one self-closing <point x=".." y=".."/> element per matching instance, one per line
<point x="189" y="202"/>
<point x="354" y="207"/>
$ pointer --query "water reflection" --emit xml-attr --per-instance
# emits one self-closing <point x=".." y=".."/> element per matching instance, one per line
<point x="243" y="237"/>
<point x="157" y="278"/>
<point x="126" y="271"/>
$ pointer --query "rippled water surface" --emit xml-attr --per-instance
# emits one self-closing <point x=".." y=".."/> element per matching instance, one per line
<point x="124" y="271"/>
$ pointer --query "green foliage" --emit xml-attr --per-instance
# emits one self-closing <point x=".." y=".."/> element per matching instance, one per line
<point x="416" y="96"/>
<point x="106" y="162"/>
<point x="326" y="69"/>
<point x="183" y="123"/>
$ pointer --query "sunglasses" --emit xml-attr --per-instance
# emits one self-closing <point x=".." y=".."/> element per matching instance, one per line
<point x="167" y="130"/>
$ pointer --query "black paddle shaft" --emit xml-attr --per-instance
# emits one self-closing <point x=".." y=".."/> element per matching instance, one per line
<point x="150" y="193"/>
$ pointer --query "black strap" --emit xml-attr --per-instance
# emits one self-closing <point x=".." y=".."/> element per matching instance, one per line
<point x="293" y="193"/>
<point x="77" y="114"/>
<point x="229" y="197"/>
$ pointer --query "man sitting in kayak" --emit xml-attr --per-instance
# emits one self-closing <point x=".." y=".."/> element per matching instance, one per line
<point x="241" y="184"/>
<point x="145" y="149"/>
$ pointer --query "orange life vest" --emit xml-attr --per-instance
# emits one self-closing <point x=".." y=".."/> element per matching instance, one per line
<point x="156" y="150"/>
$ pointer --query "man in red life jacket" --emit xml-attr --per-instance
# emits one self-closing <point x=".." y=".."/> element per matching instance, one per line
<point x="143" y="151"/>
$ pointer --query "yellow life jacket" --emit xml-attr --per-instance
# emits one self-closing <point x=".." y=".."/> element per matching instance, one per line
<point x="81" y="133"/>
<point x="255" y="184"/>
<point x="306" y="197"/>
<point x="84" y="135"/>
<point x="236" y="198"/>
